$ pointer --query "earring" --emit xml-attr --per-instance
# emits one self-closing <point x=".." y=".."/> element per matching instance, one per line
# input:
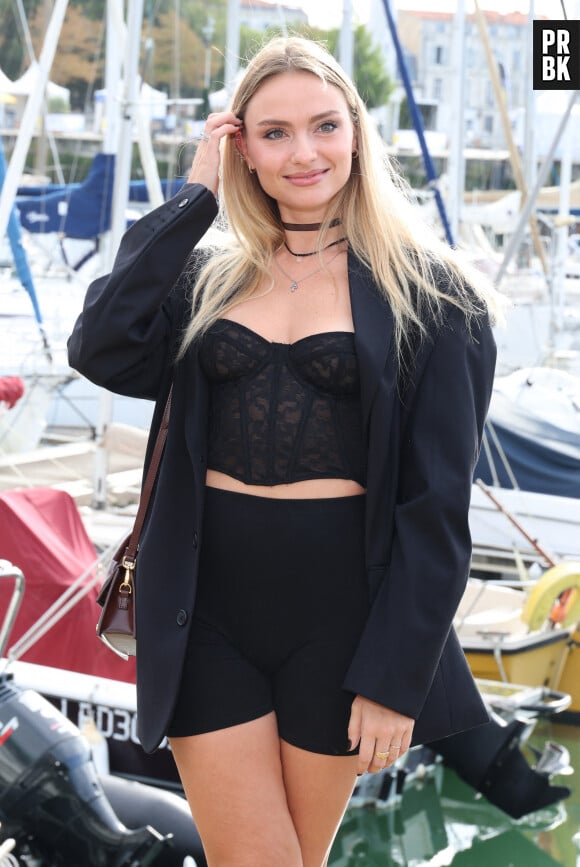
<point x="251" y="170"/>
<point x="355" y="154"/>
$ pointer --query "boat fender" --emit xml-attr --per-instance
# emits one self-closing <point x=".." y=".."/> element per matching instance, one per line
<point x="555" y="597"/>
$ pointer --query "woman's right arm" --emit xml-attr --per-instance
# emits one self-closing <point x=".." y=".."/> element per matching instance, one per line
<point x="124" y="336"/>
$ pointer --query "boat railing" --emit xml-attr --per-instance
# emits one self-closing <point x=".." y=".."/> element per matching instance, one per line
<point x="8" y="570"/>
<point x="73" y="594"/>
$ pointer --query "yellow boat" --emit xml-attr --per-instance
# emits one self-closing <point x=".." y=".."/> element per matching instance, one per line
<point x="526" y="632"/>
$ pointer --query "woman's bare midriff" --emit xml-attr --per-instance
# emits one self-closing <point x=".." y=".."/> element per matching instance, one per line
<point x="309" y="489"/>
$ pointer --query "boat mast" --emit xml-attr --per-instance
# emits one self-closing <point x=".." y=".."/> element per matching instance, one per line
<point x="29" y="118"/>
<point x="532" y="198"/>
<point x="346" y="39"/>
<point x="232" y="44"/>
<point x="432" y="178"/>
<point x="563" y="222"/>
<point x="515" y="159"/>
<point x="456" y="162"/>
<point x="119" y="138"/>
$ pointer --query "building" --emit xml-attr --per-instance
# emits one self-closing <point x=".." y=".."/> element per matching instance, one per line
<point x="259" y="15"/>
<point x="427" y="37"/>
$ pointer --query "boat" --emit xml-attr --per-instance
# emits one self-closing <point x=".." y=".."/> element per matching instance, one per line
<point x="526" y="632"/>
<point x="57" y="808"/>
<point x="43" y="529"/>
<point x="532" y="439"/>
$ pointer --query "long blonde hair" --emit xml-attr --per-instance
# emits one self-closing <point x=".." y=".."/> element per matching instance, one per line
<point x="384" y="230"/>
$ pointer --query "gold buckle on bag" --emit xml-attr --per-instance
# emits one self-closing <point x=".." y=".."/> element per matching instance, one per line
<point x="129" y="566"/>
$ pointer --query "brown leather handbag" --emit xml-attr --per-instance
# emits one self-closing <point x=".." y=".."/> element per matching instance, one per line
<point x="116" y="626"/>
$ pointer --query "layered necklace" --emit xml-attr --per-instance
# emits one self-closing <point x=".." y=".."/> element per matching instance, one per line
<point x="294" y="283"/>
<point x="309" y="227"/>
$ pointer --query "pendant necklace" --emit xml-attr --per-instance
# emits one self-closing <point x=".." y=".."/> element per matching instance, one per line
<point x="295" y="283"/>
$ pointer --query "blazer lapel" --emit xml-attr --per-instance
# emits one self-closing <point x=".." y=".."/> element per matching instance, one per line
<point x="373" y="324"/>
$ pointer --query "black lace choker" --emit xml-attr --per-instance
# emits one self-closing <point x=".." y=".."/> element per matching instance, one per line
<point x="310" y="227"/>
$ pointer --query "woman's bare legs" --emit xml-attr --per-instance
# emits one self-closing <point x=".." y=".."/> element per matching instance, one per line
<point x="259" y="802"/>
<point x="317" y="791"/>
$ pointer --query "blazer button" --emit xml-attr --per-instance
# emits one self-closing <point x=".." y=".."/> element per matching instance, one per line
<point x="183" y="203"/>
<point x="195" y="539"/>
<point x="181" y="617"/>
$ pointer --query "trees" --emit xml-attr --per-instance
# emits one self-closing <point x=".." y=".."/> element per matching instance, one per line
<point x="370" y="75"/>
<point x="79" y="61"/>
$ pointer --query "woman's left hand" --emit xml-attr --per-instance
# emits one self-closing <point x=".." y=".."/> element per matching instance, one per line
<point x="381" y="733"/>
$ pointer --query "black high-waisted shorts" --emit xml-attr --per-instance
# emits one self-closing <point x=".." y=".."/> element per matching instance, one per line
<point x="281" y="603"/>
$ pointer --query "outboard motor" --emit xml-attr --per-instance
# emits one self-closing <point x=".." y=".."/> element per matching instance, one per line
<point x="51" y="800"/>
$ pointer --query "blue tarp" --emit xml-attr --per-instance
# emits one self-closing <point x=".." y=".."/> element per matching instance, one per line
<point x="18" y="251"/>
<point x="74" y="210"/>
<point x="542" y="456"/>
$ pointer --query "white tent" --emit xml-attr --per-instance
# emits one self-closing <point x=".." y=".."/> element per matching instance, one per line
<point x="28" y="82"/>
<point x="17" y="92"/>
<point x="5" y="83"/>
<point x="152" y="102"/>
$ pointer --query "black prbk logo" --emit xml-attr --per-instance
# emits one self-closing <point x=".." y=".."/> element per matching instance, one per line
<point x="556" y="55"/>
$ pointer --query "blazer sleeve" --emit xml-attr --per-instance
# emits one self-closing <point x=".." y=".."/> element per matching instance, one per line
<point x="430" y="554"/>
<point x="125" y="334"/>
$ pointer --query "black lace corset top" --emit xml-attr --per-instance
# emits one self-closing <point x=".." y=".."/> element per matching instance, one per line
<point x="279" y="412"/>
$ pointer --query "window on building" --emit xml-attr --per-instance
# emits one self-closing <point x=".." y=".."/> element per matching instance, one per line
<point x="488" y="123"/>
<point x="439" y="55"/>
<point x="438" y="89"/>
<point x="488" y="93"/>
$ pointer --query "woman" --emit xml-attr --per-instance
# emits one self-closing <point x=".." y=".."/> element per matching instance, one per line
<point x="308" y="541"/>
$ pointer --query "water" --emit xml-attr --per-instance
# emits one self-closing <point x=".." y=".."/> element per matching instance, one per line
<point x="442" y="822"/>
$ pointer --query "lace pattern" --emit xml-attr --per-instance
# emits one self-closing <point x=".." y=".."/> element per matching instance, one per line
<point x="283" y="412"/>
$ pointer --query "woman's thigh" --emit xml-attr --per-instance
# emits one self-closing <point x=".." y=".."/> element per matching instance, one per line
<point x="236" y="792"/>
<point x="258" y="801"/>
<point x="317" y="788"/>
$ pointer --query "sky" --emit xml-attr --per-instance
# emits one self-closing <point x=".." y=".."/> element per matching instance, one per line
<point x="328" y="13"/>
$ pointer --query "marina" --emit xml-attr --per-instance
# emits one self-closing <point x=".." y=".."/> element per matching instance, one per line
<point x="71" y="458"/>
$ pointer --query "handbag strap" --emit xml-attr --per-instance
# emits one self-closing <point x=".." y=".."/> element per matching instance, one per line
<point x="130" y="554"/>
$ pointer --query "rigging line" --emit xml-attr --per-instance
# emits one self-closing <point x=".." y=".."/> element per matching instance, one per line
<point x="22" y="20"/>
<point x="502" y="455"/>
<point x="25" y="30"/>
<point x="490" y="459"/>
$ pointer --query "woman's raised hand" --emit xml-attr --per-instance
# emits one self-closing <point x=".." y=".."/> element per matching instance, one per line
<point x="206" y="162"/>
<point x="381" y="733"/>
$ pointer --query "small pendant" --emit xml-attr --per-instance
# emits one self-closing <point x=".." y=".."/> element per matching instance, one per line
<point x="293" y="286"/>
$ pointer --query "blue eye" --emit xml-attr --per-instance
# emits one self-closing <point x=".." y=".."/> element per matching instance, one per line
<point x="328" y="126"/>
<point x="274" y="134"/>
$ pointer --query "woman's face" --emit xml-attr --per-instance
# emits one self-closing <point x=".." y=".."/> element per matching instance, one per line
<point x="299" y="137"/>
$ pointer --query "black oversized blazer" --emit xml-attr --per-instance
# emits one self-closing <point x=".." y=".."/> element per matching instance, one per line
<point x="423" y="443"/>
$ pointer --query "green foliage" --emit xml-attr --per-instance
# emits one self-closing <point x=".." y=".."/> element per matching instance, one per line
<point x="79" y="61"/>
<point x="58" y="105"/>
<point x="370" y="75"/>
<point x="93" y="9"/>
<point x="13" y="54"/>
<point x="372" y="79"/>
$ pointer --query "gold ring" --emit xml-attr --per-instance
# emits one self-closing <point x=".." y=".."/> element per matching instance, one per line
<point x="383" y="755"/>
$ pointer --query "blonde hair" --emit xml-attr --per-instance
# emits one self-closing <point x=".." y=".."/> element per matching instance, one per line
<point x="409" y="263"/>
